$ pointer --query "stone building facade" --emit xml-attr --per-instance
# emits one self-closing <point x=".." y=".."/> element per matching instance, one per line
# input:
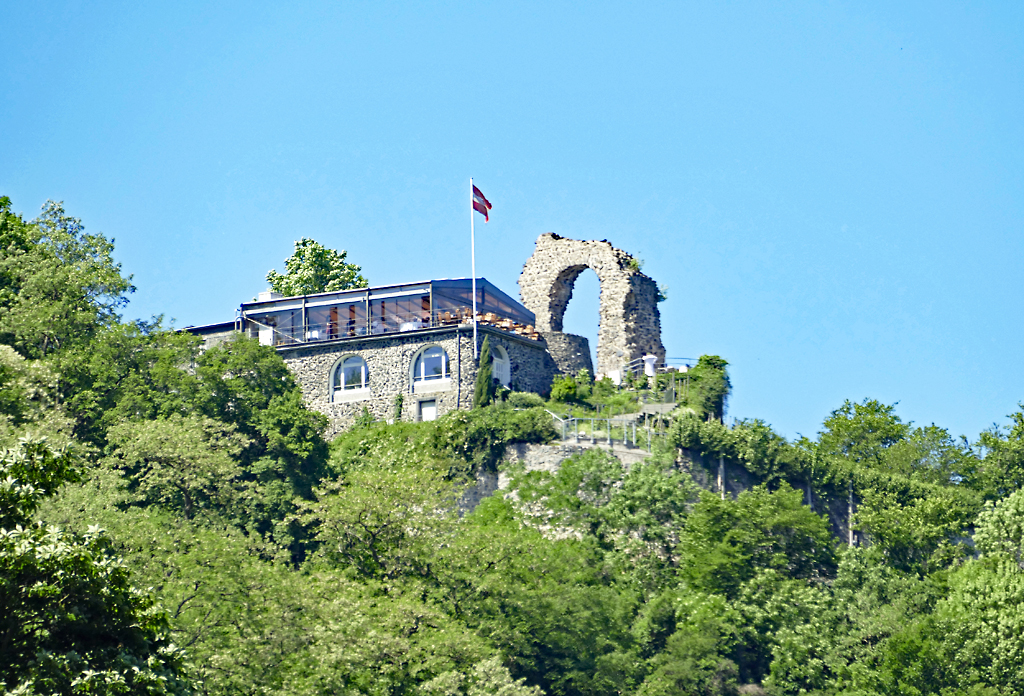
<point x="363" y="349"/>
<point x="390" y="363"/>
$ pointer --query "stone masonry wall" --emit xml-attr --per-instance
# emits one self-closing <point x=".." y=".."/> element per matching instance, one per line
<point x="630" y="322"/>
<point x="532" y="366"/>
<point x="389" y="361"/>
<point x="570" y="352"/>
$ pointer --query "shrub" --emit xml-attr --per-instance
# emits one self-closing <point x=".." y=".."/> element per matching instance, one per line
<point x="604" y="387"/>
<point x="563" y="389"/>
<point x="524" y="400"/>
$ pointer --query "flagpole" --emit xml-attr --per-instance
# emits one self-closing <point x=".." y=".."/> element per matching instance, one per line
<point x="472" y="253"/>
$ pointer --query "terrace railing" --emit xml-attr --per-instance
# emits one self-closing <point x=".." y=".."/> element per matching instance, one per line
<point x="391" y="323"/>
<point x="628" y="432"/>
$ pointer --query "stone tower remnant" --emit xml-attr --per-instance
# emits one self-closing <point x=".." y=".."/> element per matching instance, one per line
<point x="630" y="323"/>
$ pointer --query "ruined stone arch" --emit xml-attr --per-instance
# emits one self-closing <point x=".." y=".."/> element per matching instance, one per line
<point x="629" y="324"/>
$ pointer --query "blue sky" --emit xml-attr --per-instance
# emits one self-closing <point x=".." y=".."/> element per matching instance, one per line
<point x="832" y="192"/>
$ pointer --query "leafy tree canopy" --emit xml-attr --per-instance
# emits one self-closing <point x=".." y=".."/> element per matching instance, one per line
<point x="1002" y="470"/>
<point x="314" y="268"/>
<point x="70" y="622"/>
<point x="58" y="284"/>
<point x="725" y="541"/>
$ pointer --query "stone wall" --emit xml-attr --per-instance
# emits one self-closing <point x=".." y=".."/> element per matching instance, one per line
<point x="532" y="366"/>
<point x="389" y="360"/>
<point x="570" y="352"/>
<point x="534" y="457"/>
<point x="630" y="323"/>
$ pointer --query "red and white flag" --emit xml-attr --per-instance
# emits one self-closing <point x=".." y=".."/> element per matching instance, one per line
<point x="481" y="204"/>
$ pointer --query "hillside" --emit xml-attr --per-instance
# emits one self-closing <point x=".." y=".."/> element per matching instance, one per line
<point x="175" y="522"/>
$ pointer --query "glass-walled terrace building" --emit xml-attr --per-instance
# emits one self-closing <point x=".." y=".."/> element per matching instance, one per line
<point x="398" y="349"/>
<point x="285" y="321"/>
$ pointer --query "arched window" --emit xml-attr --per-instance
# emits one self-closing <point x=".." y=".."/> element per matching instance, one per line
<point x="430" y="364"/>
<point x="351" y="374"/>
<point x="501" y="366"/>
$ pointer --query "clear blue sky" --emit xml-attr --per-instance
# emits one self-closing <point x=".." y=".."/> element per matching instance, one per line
<point x="831" y="191"/>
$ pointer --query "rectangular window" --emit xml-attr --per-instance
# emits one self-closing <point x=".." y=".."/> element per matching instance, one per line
<point x="402" y="313"/>
<point x="336" y="321"/>
<point x="279" y="328"/>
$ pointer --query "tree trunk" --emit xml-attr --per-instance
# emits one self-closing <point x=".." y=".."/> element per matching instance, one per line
<point x="849" y="514"/>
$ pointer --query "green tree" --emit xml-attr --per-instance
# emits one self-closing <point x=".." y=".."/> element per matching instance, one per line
<point x="31" y="470"/>
<point x="917" y="528"/>
<point x="475" y="441"/>
<point x="1002" y="469"/>
<point x="249" y="386"/>
<point x="547" y="603"/>
<point x="1000" y="528"/>
<point x="584" y="384"/>
<point x="862" y="432"/>
<point x="28" y="399"/>
<point x="58" y="284"/>
<point x="70" y="622"/>
<point x="709" y="438"/>
<point x="240" y="614"/>
<point x="709" y="387"/>
<point x="140" y="374"/>
<point x="724" y="542"/>
<point x="131" y="371"/>
<point x="695" y="658"/>
<point x="487" y="678"/>
<point x="635" y="516"/>
<point x="381" y="522"/>
<point x="313" y="268"/>
<point x="483" y="391"/>
<point x="844" y="639"/>
<point x="188" y="463"/>
<point x="764" y="453"/>
<point x="564" y="389"/>
<point x="980" y="621"/>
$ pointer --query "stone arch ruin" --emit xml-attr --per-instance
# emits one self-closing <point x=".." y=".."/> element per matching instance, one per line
<point x="630" y="323"/>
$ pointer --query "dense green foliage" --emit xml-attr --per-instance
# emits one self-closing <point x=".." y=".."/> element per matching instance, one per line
<point x="277" y="563"/>
<point x="702" y="390"/>
<point x="314" y="268"/>
<point x="69" y="619"/>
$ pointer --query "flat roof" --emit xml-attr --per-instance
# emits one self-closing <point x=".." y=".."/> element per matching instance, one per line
<point x="210" y="328"/>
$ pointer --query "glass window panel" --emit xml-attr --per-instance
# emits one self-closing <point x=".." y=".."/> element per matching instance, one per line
<point x="287" y="326"/>
<point x="456" y="297"/>
<point x="383" y="317"/>
<point x="403" y="313"/>
<point x="337" y="321"/>
<point x="431" y="364"/>
<point x="351" y="374"/>
<point x="355" y="373"/>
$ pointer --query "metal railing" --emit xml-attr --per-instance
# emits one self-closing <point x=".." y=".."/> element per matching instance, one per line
<point x="392" y="322"/>
<point x="626" y="431"/>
